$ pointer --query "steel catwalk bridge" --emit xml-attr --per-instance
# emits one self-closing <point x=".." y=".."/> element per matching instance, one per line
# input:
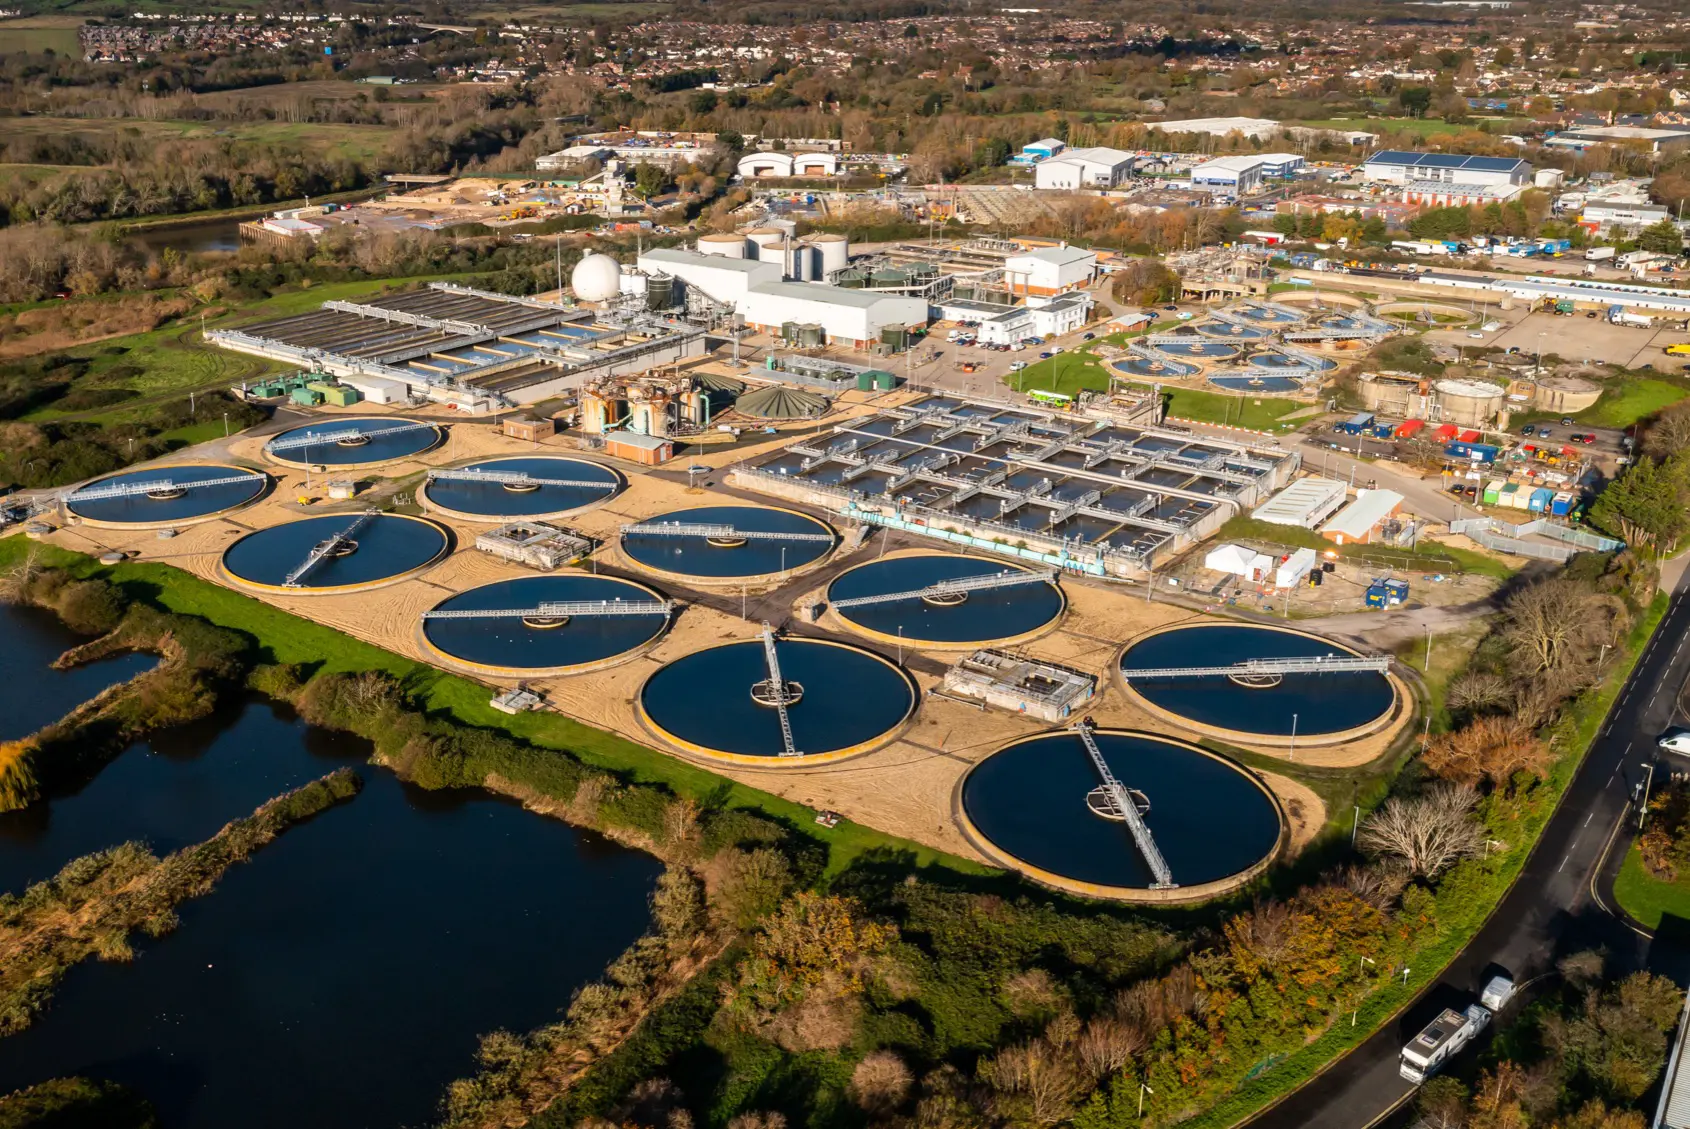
<point x="516" y="478"/>
<point x="716" y="532"/>
<point x="156" y="486"/>
<point x="1324" y="664"/>
<point x="779" y="692"/>
<point x="326" y="549"/>
<point x="1127" y="810"/>
<point x="560" y="609"/>
<point x="961" y="585"/>
<point x="324" y="438"/>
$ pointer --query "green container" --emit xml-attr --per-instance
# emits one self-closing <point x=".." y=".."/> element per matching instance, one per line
<point x="309" y="397"/>
<point x="342" y="395"/>
<point x="876" y="380"/>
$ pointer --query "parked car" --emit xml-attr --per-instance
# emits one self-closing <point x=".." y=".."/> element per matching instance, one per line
<point x="1476" y="335"/>
<point x="1087" y="336"/>
<point x="1544" y="433"/>
<point x="1566" y="421"/>
<point x="1045" y="356"/>
<point x="1675" y="740"/>
<point x="1170" y="307"/>
<point x="1017" y="366"/>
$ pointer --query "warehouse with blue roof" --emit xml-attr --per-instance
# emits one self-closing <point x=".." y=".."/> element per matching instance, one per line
<point x="1399" y="166"/>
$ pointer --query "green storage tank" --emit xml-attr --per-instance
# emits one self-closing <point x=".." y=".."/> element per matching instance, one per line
<point x="876" y="380"/>
<point x="889" y="277"/>
<point x="810" y="336"/>
<point x="851" y="279"/>
<point x="896" y="337"/>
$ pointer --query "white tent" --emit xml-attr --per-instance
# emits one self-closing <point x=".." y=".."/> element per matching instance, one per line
<point x="1239" y="561"/>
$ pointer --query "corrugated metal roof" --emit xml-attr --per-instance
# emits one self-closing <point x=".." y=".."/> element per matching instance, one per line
<point x="1369" y="509"/>
<point x="781" y="403"/>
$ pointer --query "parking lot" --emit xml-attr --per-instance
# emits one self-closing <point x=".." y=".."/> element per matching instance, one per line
<point x="1577" y="338"/>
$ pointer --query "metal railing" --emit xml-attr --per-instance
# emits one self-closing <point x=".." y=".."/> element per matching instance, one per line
<point x="156" y="486"/>
<point x="326" y="549"/>
<point x="515" y="478"/>
<point x="716" y="532"/>
<point x="560" y="609"/>
<point x="1127" y="809"/>
<point x="1323" y="664"/>
<point x="325" y="438"/>
<point x="960" y="585"/>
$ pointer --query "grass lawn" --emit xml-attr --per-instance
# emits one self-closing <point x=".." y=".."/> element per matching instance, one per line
<point x="1430" y="556"/>
<point x="1265" y="413"/>
<point x="172" y="361"/>
<point x="1625" y="400"/>
<point x="1425" y="127"/>
<point x="288" y="638"/>
<point x="1646" y="897"/>
<point x="352" y="142"/>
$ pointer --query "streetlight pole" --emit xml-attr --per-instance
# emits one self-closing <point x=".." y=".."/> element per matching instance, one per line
<point x="1355" y="828"/>
<point x="1643" y="809"/>
<point x="1428" y="665"/>
<point x="1293" y="737"/>
<point x="1143" y="1090"/>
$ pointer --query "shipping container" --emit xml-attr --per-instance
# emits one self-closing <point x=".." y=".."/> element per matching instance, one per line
<point x="1561" y="505"/>
<point x="1382" y="430"/>
<point x="1410" y="428"/>
<point x="1473" y="452"/>
<point x="1357" y="423"/>
<point x="1492" y="489"/>
<point x="1540" y="499"/>
<point x="1469" y="436"/>
<point x="1445" y="433"/>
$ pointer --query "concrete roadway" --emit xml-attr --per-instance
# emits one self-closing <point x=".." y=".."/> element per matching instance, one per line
<point x="1551" y="910"/>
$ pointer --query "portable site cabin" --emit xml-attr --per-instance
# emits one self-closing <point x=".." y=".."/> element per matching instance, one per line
<point x="1410" y="428"/>
<point x="1540" y="499"/>
<point x="1445" y="433"/>
<point x="1387" y="593"/>
<point x="1492" y="489"/>
<point x="1561" y="505"/>
<point x="1505" y="496"/>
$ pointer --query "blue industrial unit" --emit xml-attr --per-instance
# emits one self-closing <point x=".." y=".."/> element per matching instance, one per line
<point x="1387" y="593"/>
<point x="1357" y="423"/>
<point x="1475" y="452"/>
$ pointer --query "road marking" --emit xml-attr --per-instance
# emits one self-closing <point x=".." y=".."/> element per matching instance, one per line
<point x="1563" y="865"/>
<point x="1588" y="818"/>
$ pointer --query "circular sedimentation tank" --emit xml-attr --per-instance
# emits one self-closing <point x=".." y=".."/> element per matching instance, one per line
<point x="167" y="495"/>
<point x="1266" y="316"/>
<point x="1285" y="361"/>
<point x="352" y="442"/>
<point x="354" y="555"/>
<point x="1265" y="385"/>
<point x="788" y="541"/>
<point x="1340" y="321"/>
<point x="1229" y="332"/>
<point x="550" y="642"/>
<point x="1199" y="350"/>
<point x="945" y="619"/>
<point x="1318" y="708"/>
<point x="1141" y="366"/>
<point x="523" y="486"/>
<point x="717" y="702"/>
<point x="1037" y="806"/>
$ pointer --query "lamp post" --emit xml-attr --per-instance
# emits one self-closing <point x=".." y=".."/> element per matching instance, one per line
<point x="1293" y="755"/>
<point x="1143" y="1090"/>
<point x="1643" y="808"/>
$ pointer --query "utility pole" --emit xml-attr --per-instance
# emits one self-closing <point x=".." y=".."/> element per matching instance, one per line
<point x="1643" y="809"/>
<point x="1355" y="828"/>
<point x="1293" y="755"/>
<point x="1428" y="665"/>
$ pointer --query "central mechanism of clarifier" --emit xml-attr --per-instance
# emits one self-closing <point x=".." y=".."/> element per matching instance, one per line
<point x="1123" y="805"/>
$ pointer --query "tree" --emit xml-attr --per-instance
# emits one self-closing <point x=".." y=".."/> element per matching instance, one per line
<point x="1489" y="749"/>
<point x="880" y="1083"/>
<point x="1427" y="834"/>
<point x="1669" y="434"/>
<point x="650" y="179"/>
<point x="1644" y="506"/>
<point x="1548" y="621"/>
<point x="1415" y="100"/>
<point x="1663" y="238"/>
<point x="1145" y="282"/>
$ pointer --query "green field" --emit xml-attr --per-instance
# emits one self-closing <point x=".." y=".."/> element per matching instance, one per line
<point x="1645" y="897"/>
<point x="43" y="33"/>
<point x="1425" y="127"/>
<point x="1625" y="400"/>
<point x="352" y="142"/>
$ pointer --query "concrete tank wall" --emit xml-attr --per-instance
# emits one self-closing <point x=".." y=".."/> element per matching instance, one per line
<point x="834" y="252"/>
<point x="728" y="246"/>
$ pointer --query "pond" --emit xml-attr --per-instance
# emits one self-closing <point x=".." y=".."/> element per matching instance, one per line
<point x="341" y="976"/>
<point x="191" y="238"/>
<point x="36" y="694"/>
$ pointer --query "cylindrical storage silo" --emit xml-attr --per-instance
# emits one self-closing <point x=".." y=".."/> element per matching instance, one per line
<point x="834" y="251"/>
<point x="766" y="244"/>
<point x="810" y="336"/>
<point x="850" y="279"/>
<point x="659" y="292"/>
<point x="799" y="263"/>
<point x="789" y="331"/>
<point x="729" y="245"/>
<point x="896" y="336"/>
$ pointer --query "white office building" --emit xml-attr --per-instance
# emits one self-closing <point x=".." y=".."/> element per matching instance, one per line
<point x="1072" y="169"/>
<point x="1261" y="128"/>
<point x="1413" y="170"/>
<point x="1049" y="270"/>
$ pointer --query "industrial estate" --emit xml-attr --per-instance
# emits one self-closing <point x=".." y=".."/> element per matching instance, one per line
<point x="716" y="567"/>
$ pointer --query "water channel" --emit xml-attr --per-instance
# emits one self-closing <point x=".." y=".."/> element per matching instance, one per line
<point x="342" y="975"/>
<point x="192" y="238"/>
<point x="36" y="695"/>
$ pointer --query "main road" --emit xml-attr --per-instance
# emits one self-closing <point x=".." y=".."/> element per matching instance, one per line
<point x="1548" y="913"/>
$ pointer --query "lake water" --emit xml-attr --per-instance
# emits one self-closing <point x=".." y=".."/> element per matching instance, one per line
<point x="30" y="639"/>
<point x="213" y="235"/>
<point x="341" y="976"/>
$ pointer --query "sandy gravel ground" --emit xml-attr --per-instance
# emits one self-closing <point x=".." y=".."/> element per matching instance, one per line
<point x="905" y="788"/>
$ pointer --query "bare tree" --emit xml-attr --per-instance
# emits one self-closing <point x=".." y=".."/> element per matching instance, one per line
<point x="1548" y="621"/>
<point x="1669" y="434"/>
<point x="1032" y="1082"/>
<point x="1428" y="834"/>
<point x="1489" y="748"/>
<point x="880" y="1083"/>
<point x="1477" y="690"/>
<point x="1107" y="1044"/>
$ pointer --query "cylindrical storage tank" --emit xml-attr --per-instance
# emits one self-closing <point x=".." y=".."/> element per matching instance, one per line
<point x="834" y="251"/>
<point x="810" y="336"/>
<point x="850" y="279"/>
<point x="896" y="336"/>
<point x="891" y="276"/>
<point x="799" y="263"/>
<point x="659" y="292"/>
<point x="729" y="246"/>
<point x="789" y="331"/>
<point x="766" y="243"/>
<point x="1470" y="403"/>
